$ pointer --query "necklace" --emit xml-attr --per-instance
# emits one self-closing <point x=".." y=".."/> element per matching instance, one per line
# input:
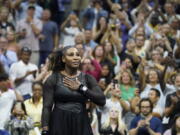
<point x="71" y="76"/>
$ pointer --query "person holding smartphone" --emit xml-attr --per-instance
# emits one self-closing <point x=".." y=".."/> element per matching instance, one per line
<point x="106" y="76"/>
<point x="115" y="100"/>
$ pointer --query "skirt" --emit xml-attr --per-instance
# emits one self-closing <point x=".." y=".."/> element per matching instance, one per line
<point x="70" y="119"/>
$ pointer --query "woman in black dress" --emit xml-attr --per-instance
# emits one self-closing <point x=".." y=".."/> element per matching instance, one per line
<point x="65" y="93"/>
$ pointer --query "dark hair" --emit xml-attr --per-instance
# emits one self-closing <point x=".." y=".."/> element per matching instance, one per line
<point x="173" y="130"/>
<point x="110" y="74"/>
<point x="2" y="70"/>
<point x="98" y="2"/>
<point x="112" y="53"/>
<point x="98" y="24"/>
<point x="146" y="100"/>
<point x="130" y="58"/>
<point x="4" y="77"/>
<point x="157" y="91"/>
<point x="94" y="52"/>
<point x="38" y="83"/>
<point x="57" y="63"/>
<point x="105" y="64"/>
<point x="22" y="106"/>
<point x="31" y="7"/>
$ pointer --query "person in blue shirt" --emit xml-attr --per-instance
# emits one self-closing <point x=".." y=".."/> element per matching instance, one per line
<point x="145" y="123"/>
<point x="93" y="13"/>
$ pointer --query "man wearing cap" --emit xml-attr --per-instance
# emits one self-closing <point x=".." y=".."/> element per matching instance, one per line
<point x="22" y="73"/>
<point x="29" y="30"/>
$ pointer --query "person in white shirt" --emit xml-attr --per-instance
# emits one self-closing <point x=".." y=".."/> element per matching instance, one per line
<point x="22" y="73"/>
<point x="154" y="96"/>
<point x="71" y="31"/>
<point x="7" y="97"/>
<point x="115" y="101"/>
<point x="153" y="81"/>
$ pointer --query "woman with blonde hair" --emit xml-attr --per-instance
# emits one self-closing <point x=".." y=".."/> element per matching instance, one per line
<point x="114" y="124"/>
<point x="127" y="85"/>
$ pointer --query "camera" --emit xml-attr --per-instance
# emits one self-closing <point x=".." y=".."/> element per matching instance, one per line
<point x="115" y="81"/>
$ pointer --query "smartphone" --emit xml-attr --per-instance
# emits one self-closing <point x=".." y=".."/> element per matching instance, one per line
<point x="102" y="79"/>
<point x="115" y="83"/>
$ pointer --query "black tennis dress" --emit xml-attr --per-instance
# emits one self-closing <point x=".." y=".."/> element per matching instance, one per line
<point x="64" y="110"/>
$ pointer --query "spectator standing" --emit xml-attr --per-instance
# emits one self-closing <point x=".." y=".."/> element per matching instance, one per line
<point x="34" y="106"/>
<point x="93" y="13"/>
<point x="4" y="60"/>
<point x="29" y="29"/>
<point x="92" y="67"/>
<point x="20" y="122"/>
<point x="174" y="130"/>
<point x="114" y="124"/>
<point x="154" y="96"/>
<point x="21" y="7"/>
<point x="7" y="97"/>
<point x="22" y="73"/>
<point x="173" y="101"/>
<point x="115" y="101"/>
<point x="89" y="42"/>
<point x="59" y="10"/>
<point x="48" y="37"/>
<point x="71" y="31"/>
<point x="5" y="25"/>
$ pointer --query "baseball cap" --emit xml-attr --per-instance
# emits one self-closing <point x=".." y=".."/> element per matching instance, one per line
<point x="26" y="49"/>
<point x="31" y="6"/>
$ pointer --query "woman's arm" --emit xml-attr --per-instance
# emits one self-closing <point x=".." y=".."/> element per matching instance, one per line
<point x="64" y="24"/>
<point x="124" y="104"/>
<point x="96" y="34"/>
<point x="105" y="37"/>
<point x="116" y="41"/>
<point x="162" y="79"/>
<point x="142" y="76"/>
<point x="134" y="103"/>
<point x="109" y="87"/>
<point x="167" y="44"/>
<point x="48" y="100"/>
<point x="94" y="92"/>
<point x="18" y="96"/>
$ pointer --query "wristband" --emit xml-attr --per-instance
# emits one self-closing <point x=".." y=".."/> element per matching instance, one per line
<point x="83" y="88"/>
<point x="44" y="132"/>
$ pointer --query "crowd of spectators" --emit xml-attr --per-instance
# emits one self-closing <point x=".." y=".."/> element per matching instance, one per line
<point x="131" y="47"/>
